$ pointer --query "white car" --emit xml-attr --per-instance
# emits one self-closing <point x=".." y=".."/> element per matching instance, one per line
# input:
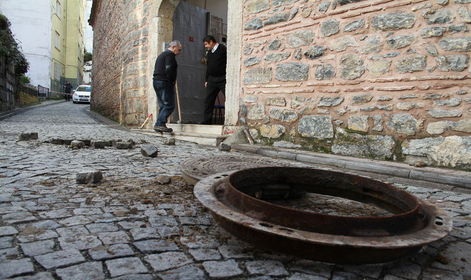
<point x="82" y="94"/>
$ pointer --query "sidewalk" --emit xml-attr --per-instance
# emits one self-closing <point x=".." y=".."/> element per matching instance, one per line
<point x="7" y="114"/>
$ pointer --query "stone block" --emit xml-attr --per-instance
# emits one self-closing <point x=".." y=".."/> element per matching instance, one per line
<point x="300" y="38"/>
<point x="465" y="14"/>
<point x="400" y="42"/>
<point x="403" y="123"/>
<point x="330" y="27"/>
<point x="435" y="31"/>
<point x="12" y="268"/>
<point x="276" y="101"/>
<point x="89" y="270"/>
<point x="393" y="21"/>
<point x="258" y="76"/>
<point x="169" y="141"/>
<point x="222" y="269"/>
<point x="274" y="45"/>
<point x="352" y="66"/>
<point x="292" y="72"/>
<point x="28" y="136"/>
<point x="266" y="267"/>
<point x="256" y="112"/>
<point x="110" y="251"/>
<point x="276" y="57"/>
<point x="456" y="44"/>
<point x="257" y="6"/>
<point x="325" y="72"/>
<point x="378" y="67"/>
<point x="60" y="258"/>
<point x="359" y="123"/>
<point x="272" y="131"/>
<point x="354" y="25"/>
<point x="253" y="24"/>
<point x="452" y="102"/>
<point x="453" y="62"/>
<point x="330" y="101"/>
<point x="167" y="260"/>
<point x="149" y="150"/>
<point x="89" y="177"/>
<point x="76" y="144"/>
<point x="253" y="60"/>
<point x="441" y="113"/>
<point x="436" y="128"/>
<point x="439" y="16"/>
<point x="412" y="64"/>
<point x="283" y="115"/>
<point x="371" y="146"/>
<point x="314" y="52"/>
<point x="342" y="43"/>
<point x="124" y="266"/>
<point x="315" y="126"/>
<point x="276" y="18"/>
<point x="463" y="126"/>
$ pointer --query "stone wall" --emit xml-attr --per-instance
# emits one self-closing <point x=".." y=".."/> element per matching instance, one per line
<point x="381" y="79"/>
<point x="120" y="53"/>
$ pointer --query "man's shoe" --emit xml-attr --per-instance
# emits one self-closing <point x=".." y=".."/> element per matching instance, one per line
<point x="162" y="129"/>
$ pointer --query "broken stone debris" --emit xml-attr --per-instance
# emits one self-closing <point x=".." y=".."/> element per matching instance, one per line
<point x="149" y="150"/>
<point x="77" y="144"/>
<point x="89" y="177"/>
<point x="169" y="141"/>
<point x="28" y="136"/>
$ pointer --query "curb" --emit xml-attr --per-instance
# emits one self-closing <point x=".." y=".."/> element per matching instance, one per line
<point x="7" y="114"/>
<point x="444" y="176"/>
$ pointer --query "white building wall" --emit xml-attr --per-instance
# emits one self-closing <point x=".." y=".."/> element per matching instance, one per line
<point x="31" y="26"/>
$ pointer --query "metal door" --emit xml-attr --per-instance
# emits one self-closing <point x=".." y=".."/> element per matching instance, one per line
<point x="189" y="27"/>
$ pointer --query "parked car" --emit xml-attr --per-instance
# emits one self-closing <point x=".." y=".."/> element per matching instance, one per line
<point x="82" y="94"/>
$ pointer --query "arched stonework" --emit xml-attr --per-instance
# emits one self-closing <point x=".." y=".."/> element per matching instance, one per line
<point x="163" y="23"/>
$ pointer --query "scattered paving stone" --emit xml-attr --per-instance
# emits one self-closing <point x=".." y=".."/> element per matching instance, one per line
<point x="89" y="177"/>
<point x="149" y="150"/>
<point x="222" y="269"/>
<point x="110" y="252"/>
<point x="189" y="272"/>
<point x="9" y="254"/>
<point x="7" y="230"/>
<point x="272" y="268"/>
<point x="124" y="145"/>
<point x="76" y="144"/>
<point x="123" y="266"/>
<point x="101" y="227"/>
<point x="28" y="136"/>
<point x="224" y="147"/>
<point x="38" y="248"/>
<point x="170" y="141"/>
<point x="167" y="260"/>
<point x="205" y="254"/>
<point x="15" y="267"/>
<point x="89" y="271"/>
<point x="117" y="237"/>
<point x="60" y="258"/>
<point x="149" y="246"/>
<point x="100" y="144"/>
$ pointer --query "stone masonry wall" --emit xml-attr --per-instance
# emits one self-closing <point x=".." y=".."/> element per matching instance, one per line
<point x="381" y="79"/>
<point x="119" y="58"/>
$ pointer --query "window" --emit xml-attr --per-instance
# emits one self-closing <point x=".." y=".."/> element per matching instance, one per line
<point x="57" y="71"/>
<point x="58" y="9"/>
<point x="57" y="40"/>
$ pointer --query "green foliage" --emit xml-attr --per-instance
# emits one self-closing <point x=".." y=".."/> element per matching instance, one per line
<point x="24" y="80"/>
<point x="87" y="56"/>
<point x="9" y="47"/>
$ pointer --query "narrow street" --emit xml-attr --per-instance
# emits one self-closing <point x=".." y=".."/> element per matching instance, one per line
<point x="143" y="221"/>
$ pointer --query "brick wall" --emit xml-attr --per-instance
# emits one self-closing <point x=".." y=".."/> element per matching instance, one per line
<point x="119" y="58"/>
<point x="382" y="79"/>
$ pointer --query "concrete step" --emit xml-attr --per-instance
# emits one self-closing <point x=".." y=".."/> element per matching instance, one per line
<point x="197" y="128"/>
<point x="198" y="138"/>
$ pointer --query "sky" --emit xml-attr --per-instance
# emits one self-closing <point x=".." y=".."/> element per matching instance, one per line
<point x="88" y="28"/>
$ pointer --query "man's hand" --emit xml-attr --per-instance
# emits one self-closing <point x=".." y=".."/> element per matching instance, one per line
<point x="205" y="84"/>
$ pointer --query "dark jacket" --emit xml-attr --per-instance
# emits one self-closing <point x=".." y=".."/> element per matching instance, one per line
<point x="166" y="67"/>
<point x="216" y="65"/>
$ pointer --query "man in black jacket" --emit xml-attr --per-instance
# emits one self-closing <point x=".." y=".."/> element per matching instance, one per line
<point x="165" y="77"/>
<point x="215" y="74"/>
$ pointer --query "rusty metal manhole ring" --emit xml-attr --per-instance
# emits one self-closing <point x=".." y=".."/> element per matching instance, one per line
<point x="233" y="199"/>
<point x="196" y="169"/>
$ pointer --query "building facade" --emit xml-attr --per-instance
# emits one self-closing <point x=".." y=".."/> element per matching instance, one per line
<point x="380" y="79"/>
<point x="51" y="35"/>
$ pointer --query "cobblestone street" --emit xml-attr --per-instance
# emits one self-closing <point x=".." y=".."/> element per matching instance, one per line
<point x="143" y="221"/>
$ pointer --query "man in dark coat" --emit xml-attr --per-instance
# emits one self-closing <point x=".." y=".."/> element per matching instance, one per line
<point x="215" y="74"/>
<point x="67" y="91"/>
<point x="165" y="77"/>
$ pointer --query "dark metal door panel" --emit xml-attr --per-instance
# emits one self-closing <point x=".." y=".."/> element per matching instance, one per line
<point x="189" y="27"/>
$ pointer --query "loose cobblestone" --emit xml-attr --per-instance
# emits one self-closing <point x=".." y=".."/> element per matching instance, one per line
<point x="142" y="221"/>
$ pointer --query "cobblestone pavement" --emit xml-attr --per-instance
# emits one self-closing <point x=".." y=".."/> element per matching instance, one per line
<point x="143" y="222"/>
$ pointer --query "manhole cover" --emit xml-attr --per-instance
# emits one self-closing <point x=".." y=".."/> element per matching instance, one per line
<point x="247" y="204"/>
<point x="198" y="168"/>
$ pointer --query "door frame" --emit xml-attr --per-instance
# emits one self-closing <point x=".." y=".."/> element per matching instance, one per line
<point x="161" y="31"/>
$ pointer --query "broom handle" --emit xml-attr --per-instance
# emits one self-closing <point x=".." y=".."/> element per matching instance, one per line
<point x="178" y="103"/>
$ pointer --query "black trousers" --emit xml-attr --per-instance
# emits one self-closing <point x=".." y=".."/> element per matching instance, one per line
<point x="214" y="86"/>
